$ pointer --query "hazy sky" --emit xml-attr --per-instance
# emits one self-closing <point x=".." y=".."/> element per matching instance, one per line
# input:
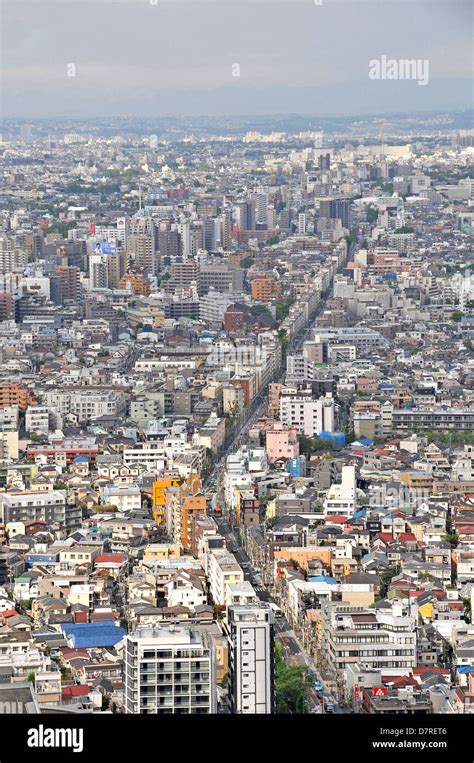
<point x="133" y="57"/>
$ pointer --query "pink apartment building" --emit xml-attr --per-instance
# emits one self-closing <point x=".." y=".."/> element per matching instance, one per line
<point x="282" y="442"/>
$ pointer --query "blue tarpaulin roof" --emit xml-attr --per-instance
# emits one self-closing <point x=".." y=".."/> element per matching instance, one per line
<point x="322" y="579"/>
<point x="89" y="635"/>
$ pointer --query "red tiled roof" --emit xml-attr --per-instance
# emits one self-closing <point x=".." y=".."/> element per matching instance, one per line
<point x="116" y="558"/>
<point x="399" y="681"/>
<point x="337" y="519"/>
<point x="75" y="691"/>
<point x="8" y="613"/>
<point x="387" y="537"/>
<point x="403" y="537"/>
<point x="69" y="653"/>
<point x="432" y="668"/>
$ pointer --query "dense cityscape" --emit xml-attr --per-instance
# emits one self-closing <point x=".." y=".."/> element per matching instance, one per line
<point x="236" y="418"/>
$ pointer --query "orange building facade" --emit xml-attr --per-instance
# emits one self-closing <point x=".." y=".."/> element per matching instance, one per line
<point x="265" y="289"/>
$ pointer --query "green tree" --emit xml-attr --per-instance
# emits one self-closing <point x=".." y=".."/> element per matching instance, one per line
<point x="457" y="315"/>
<point x="372" y="214"/>
<point x="261" y="310"/>
<point x="284" y="341"/>
<point x="452" y="538"/>
<point x="386" y="577"/>
<point x="310" y="445"/>
<point x="282" y="308"/>
<point x="292" y="685"/>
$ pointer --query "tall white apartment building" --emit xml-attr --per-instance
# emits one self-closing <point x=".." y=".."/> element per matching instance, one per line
<point x="310" y="417"/>
<point x="341" y="498"/>
<point x="261" y="206"/>
<point x="169" y="669"/>
<point x="12" y="258"/>
<point x="251" y="659"/>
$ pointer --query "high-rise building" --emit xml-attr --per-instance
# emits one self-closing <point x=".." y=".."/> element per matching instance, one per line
<point x="184" y="231"/>
<point x="98" y="271"/>
<point x="246" y="214"/>
<point x="261" y="207"/>
<point x="7" y="307"/>
<point x="251" y="659"/>
<point x="141" y="243"/>
<point x="12" y="258"/>
<point x="324" y="161"/>
<point x="116" y="267"/>
<point x="26" y="133"/>
<point x="122" y="230"/>
<point x="183" y="276"/>
<point x="169" y="670"/>
<point x="70" y="283"/>
<point x="336" y="209"/>
<point x="170" y="245"/>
